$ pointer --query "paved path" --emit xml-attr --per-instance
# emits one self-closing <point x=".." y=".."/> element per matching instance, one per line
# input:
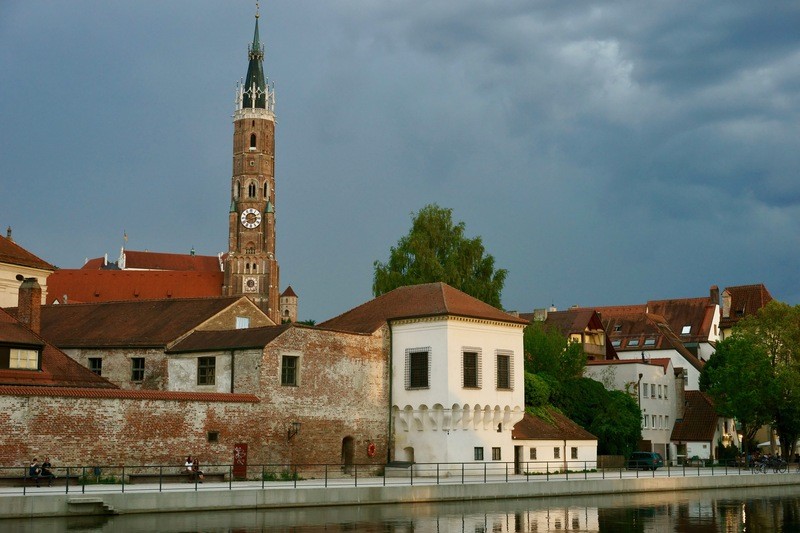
<point x="375" y="482"/>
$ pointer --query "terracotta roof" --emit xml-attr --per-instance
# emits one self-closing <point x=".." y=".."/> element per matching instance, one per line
<point x="80" y="285"/>
<point x="57" y="368"/>
<point x="129" y="394"/>
<point x="152" y="323"/>
<point x="144" y="260"/>
<point x="746" y="300"/>
<point x="532" y="427"/>
<point x="649" y="331"/>
<point x="289" y="292"/>
<point x="699" y="421"/>
<point x="695" y="312"/>
<point x="235" y="339"/>
<point x="13" y="254"/>
<point x="416" y="301"/>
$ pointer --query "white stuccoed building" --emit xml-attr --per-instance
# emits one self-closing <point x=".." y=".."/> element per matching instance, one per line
<point x="457" y="373"/>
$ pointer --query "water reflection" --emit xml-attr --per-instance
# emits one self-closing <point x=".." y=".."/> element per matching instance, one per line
<point x="739" y="510"/>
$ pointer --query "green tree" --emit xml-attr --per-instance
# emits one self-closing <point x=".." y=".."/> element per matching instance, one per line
<point x="537" y="391"/>
<point x="436" y="249"/>
<point x="548" y="351"/>
<point x="739" y="378"/>
<point x="612" y="416"/>
<point x="776" y="330"/>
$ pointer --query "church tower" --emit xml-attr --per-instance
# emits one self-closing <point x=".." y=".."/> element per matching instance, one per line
<point x="250" y="266"/>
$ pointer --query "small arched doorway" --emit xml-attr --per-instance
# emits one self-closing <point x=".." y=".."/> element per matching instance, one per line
<point x="348" y="454"/>
<point x="408" y="454"/>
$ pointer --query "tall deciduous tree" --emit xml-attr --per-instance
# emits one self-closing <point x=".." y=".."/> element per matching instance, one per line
<point x="548" y="351"/>
<point x="739" y="378"/>
<point x="436" y="249"/>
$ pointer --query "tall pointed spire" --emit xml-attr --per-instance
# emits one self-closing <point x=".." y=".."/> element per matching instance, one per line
<point x="255" y="86"/>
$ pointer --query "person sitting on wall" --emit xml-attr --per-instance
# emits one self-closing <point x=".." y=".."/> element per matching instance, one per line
<point x="47" y="471"/>
<point x="34" y="470"/>
<point x="189" y="468"/>
<point x="199" y="476"/>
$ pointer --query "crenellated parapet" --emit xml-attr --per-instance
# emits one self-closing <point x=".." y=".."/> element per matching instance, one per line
<point x="457" y="417"/>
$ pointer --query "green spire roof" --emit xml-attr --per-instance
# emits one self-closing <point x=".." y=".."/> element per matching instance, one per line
<point x="255" y="74"/>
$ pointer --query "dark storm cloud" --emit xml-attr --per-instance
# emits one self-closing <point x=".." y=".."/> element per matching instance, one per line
<point x="606" y="152"/>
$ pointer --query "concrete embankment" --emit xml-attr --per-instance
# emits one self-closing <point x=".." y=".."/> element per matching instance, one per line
<point x="209" y="499"/>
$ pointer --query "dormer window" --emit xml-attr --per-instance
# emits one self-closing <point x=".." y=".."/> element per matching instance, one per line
<point x="617" y="328"/>
<point x="633" y="342"/>
<point x="19" y="358"/>
<point x="650" y="341"/>
<point x="616" y="343"/>
<point x="686" y="330"/>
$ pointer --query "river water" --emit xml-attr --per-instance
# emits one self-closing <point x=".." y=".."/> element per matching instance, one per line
<point x="751" y="510"/>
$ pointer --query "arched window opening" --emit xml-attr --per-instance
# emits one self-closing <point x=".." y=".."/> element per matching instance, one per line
<point x="250" y="248"/>
<point x="253" y="123"/>
<point x="237" y="190"/>
<point x="255" y="268"/>
<point x="251" y="190"/>
<point x="266" y="191"/>
<point x="247" y="267"/>
<point x="252" y="141"/>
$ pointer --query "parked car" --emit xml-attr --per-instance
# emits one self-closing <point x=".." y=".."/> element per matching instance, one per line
<point x="645" y="460"/>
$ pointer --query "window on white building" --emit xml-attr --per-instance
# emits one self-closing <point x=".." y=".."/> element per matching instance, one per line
<point x="505" y="370"/>
<point x="418" y="368"/>
<point x="644" y="421"/>
<point x="653" y="390"/>
<point x="478" y="453"/>
<point x="665" y="392"/>
<point x="556" y="452"/>
<point x="659" y="391"/>
<point x="644" y="390"/>
<point x="574" y="452"/>
<point x="496" y="454"/>
<point x="653" y="420"/>
<point x="471" y="368"/>
<point x="533" y="454"/>
<point x="206" y="370"/>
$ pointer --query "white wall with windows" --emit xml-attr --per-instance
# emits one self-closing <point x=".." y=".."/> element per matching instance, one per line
<point x="557" y="455"/>
<point x="457" y="386"/>
<point x="653" y="385"/>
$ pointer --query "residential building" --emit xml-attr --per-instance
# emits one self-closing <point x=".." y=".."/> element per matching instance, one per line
<point x="739" y="302"/>
<point x="658" y="389"/>
<point x="554" y="444"/>
<point x="578" y="324"/>
<point x="17" y="261"/>
<point x="699" y="429"/>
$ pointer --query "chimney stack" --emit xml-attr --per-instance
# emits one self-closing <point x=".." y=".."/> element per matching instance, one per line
<point x="8" y="234"/>
<point x="29" y="310"/>
<point x="714" y="294"/>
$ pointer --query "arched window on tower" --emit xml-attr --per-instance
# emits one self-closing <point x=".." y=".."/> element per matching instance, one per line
<point x="247" y="268"/>
<point x="252" y="141"/>
<point x="255" y="268"/>
<point x="250" y="248"/>
<point x="251" y="190"/>
<point x="237" y="190"/>
<point x="266" y="191"/>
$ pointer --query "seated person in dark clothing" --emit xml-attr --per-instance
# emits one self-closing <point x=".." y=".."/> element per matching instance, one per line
<point x="34" y="470"/>
<point x="47" y="471"/>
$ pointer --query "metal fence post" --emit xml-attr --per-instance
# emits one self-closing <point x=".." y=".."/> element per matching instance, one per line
<point x="160" y="475"/>
<point x="355" y="475"/>
<point x="462" y="473"/>
<point x="262" y="477"/>
<point x="437" y="473"/>
<point x="66" y="481"/>
<point x="83" y="485"/>
<point x="230" y="477"/>
<point x="484" y="473"/>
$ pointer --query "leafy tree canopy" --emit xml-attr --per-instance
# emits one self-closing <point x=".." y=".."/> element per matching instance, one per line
<point x="776" y="328"/>
<point x="436" y="250"/>
<point x="537" y="391"/>
<point x="739" y="379"/>
<point x="548" y="351"/>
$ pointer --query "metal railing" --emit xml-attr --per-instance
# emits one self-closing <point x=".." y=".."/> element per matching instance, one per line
<point x="133" y="478"/>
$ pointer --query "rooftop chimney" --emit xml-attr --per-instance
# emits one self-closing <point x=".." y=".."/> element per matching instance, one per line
<point x="714" y="294"/>
<point x="29" y="310"/>
<point x="8" y="234"/>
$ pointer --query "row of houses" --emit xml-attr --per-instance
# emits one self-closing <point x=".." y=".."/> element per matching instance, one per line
<point x="424" y="374"/>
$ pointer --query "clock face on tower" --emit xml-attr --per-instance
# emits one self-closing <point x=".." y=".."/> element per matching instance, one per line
<point x="250" y="285"/>
<point x="251" y="218"/>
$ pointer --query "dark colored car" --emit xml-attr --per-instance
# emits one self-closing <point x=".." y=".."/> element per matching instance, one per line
<point x="645" y="460"/>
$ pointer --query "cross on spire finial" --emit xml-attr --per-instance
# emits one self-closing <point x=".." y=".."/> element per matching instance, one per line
<point x="256" y="8"/>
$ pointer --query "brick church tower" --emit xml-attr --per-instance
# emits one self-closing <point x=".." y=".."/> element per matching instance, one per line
<point x="250" y="266"/>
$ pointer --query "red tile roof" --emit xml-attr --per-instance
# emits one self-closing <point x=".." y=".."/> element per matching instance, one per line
<point x="289" y="292"/>
<point x="13" y="254"/>
<point x="82" y="285"/>
<point x="559" y="427"/>
<point x="129" y="394"/>
<point x="416" y="301"/>
<point x="235" y="339"/>
<point x="746" y="300"/>
<point x="695" y="312"/>
<point x="152" y="323"/>
<point x="57" y="368"/>
<point x="167" y="261"/>
<point x="699" y="421"/>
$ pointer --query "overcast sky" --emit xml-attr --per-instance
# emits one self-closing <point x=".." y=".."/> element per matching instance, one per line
<point x="607" y="153"/>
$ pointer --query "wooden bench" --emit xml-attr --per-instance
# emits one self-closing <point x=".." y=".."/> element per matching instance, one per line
<point x="19" y="481"/>
<point x="183" y="477"/>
